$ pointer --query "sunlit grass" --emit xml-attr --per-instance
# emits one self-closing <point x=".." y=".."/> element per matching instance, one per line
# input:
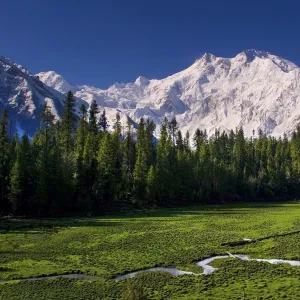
<point x="111" y="245"/>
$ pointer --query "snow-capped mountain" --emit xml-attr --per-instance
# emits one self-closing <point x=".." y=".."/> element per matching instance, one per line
<point x="24" y="95"/>
<point x="254" y="89"/>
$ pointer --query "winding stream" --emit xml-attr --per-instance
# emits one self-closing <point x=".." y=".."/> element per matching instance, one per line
<point x="207" y="269"/>
<point x="204" y="264"/>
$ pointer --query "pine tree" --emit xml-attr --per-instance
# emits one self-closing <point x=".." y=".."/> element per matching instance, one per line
<point x="186" y="141"/>
<point x="117" y="140"/>
<point x="183" y="182"/>
<point x="203" y="173"/>
<point x="91" y="166"/>
<point x="152" y="186"/>
<point x="179" y="142"/>
<point x="117" y="125"/>
<point x="47" y="121"/>
<point x="149" y="143"/>
<point x="66" y="132"/>
<point x="5" y="162"/>
<point x="81" y="131"/>
<point x="128" y="163"/>
<point x="16" y="187"/>
<point x="173" y="128"/>
<point x="107" y="157"/>
<point x="22" y="178"/>
<point x="197" y="139"/>
<point x="93" y="111"/>
<point x="163" y="165"/>
<point x="103" y="123"/>
<point x="13" y="147"/>
<point x="68" y="123"/>
<point x="81" y="173"/>
<point x="68" y="171"/>
<point x="239" y="159"/>
<point x="141" y="167"/>
<point x="46" y="154"/>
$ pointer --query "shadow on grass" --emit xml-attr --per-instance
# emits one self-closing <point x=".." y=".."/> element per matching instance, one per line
<point x="225" y="209"/>
<point x="52" y="225"/>
<point x="4" y="269"/>
<point x="41" y="226"/>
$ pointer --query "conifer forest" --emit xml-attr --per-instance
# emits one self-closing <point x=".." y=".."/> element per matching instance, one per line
<point x="84" y="164"/>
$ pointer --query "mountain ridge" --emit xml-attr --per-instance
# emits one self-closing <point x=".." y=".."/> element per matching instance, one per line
<point x="255" y="90"/>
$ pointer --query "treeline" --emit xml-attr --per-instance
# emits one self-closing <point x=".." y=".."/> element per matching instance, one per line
<point x="77" y="165"/>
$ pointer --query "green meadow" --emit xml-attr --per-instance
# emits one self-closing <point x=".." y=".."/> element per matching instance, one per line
<point x="110" y="245"/>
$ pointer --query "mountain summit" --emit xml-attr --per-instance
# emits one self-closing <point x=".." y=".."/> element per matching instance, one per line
<point x="254" y="89"/>
<point x="56" y="81"/>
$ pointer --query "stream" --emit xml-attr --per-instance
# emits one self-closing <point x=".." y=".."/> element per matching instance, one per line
<point x="207" y="269"/>
<point x="204" y="264"/>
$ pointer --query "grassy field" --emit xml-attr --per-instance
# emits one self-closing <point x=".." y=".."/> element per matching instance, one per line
<point x="108" y="246"/>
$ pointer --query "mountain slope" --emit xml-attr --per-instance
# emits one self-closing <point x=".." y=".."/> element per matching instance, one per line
<point x="255" y="90"/>
<point x="24" y="95"/>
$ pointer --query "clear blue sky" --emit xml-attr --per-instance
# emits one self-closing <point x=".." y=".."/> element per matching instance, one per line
<point x="107" y="41"/>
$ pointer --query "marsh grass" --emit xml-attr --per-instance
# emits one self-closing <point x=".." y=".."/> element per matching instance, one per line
<point x="111" y="245"/>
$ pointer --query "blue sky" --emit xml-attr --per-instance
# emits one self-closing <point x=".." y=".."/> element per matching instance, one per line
<point x="107" y="41"/>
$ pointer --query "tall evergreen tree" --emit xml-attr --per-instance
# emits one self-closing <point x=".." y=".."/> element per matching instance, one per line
<point x="239" y="159"/>
<point x="81" y="170"/>
<point x="47" y="156"/>
<point x="173" y="128"/>
<point x="91" y="167"/>
<point x="117" y="127"/>
<point x="68" y="123"/>
<point x="107" y="157"/>
<point x="93" y="111"/>
<point x="179" y="142"/>
<point x="186" y="141"/>
<point x="5" y="162"/>
<point x="163" y="165"/>
<point x="66" y="132"/>
<point x="149" y="142"/>
<point x="128" y="162"/>
<point x="22" y="178"/>
<point x="152" y="186"/>
<point x="141" y="166"/>
<point x="103" y="123"/>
